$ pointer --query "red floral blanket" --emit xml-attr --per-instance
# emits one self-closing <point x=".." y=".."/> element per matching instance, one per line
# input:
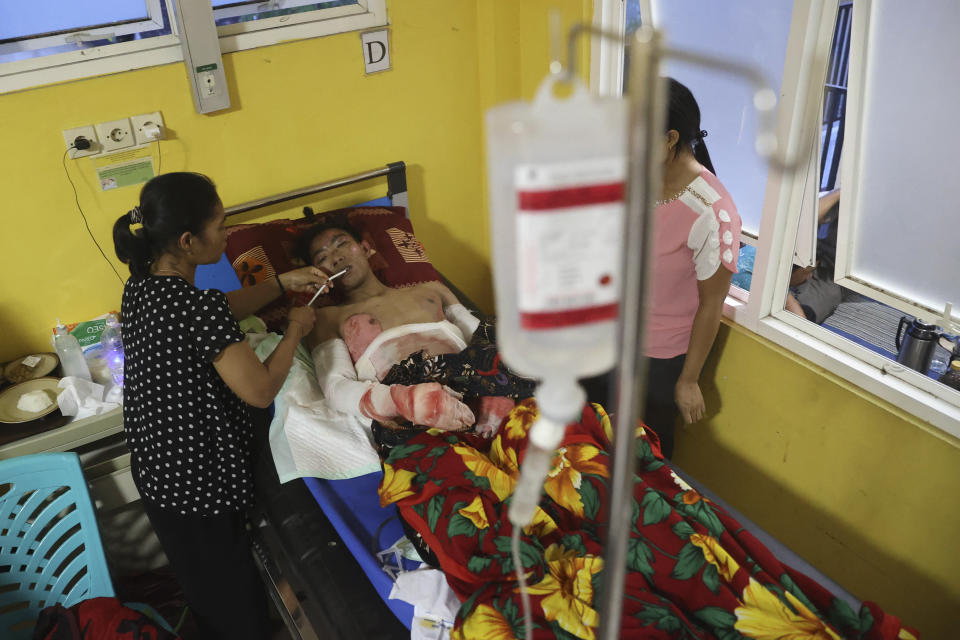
<point x="694" y="572"/>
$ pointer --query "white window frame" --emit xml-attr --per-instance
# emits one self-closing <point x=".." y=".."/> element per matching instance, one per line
<point x="606" y="55"/>
<point x="762" y="310"/>
<point x="905" y="388"/>
<point x="153" y="21"/>
<point x="139" y="54"/>
<point x="111" y="58"/>
<point x="240" y="36"/>
<point x="243" y="7"/>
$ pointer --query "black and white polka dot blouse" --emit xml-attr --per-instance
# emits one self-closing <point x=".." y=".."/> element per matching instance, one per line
<point x="189" y="435"/>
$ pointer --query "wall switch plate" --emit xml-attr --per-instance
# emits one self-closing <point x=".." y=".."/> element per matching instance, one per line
<point x="115" y="134"/>
<point x="69" y="135"/>
<point x="147" y="127"/>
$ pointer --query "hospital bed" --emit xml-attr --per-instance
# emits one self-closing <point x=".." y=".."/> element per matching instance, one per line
<point x="318" y="542"/>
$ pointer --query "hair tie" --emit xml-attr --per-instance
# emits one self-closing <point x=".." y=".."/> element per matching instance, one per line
<point x="136" y="216"/>
<point x="703" y="134"/>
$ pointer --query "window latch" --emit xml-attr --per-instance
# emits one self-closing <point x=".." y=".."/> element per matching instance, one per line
<point x="83" y="36"/>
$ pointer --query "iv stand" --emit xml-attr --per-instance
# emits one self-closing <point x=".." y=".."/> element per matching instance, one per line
<point x="646" y="120"/>
<point x="646" y="116"/>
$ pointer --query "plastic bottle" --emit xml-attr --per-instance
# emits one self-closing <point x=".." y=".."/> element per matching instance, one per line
<point x="557" y="172"/>
<point x="112" y="342"/>
<point x="70" y="353"/>
<point x="939" y="362"/>
<point x="952" y="377"/>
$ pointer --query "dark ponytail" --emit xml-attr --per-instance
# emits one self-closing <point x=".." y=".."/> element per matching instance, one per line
<point x="683" y="116"/>
<point x="170" y="205"/>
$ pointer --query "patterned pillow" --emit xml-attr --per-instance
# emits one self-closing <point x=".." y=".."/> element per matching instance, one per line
<point x="260" y="251"/>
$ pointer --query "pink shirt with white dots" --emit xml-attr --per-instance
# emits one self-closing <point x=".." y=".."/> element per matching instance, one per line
<point x="694" y="236"/>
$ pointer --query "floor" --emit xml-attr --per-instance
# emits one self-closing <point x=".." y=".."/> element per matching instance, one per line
<point x="159" y="589"/>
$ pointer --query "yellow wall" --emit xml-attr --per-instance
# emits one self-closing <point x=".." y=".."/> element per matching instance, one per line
<point x="863" y="492"/>
<point x="302" y="112"/>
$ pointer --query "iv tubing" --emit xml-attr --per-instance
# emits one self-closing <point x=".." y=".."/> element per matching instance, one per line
<point x="521" y="581"/>
<point x="559" y="402"/>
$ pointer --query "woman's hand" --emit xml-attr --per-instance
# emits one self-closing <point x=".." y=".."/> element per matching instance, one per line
<point x="303" y="280"/>
<point x="303" y="318"/>
<point x="689" y="400"/>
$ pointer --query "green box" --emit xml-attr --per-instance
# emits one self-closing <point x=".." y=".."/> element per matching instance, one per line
<point x="88" y="333"/>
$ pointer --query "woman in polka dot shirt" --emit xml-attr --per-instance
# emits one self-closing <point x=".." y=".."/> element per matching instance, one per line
<point x="696" y="241"/>
<point x="189" y="376"/>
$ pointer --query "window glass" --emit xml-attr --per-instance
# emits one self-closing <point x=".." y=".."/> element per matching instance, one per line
<point x="753" y="32"/>
<point x="227" y="12"/>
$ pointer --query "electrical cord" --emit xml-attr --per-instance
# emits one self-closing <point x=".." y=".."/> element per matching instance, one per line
<point x="76" y="198"/>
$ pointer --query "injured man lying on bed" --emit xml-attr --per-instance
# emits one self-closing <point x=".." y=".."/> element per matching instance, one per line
<point x="450" y="423"/>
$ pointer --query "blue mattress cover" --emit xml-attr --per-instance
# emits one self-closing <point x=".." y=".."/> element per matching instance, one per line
<point x="353" y="508"/>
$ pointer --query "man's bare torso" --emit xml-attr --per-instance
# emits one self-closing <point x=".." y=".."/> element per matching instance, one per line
<point x="359" y="323"/>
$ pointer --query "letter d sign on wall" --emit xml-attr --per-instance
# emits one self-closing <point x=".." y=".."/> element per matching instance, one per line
<point x="376" y="51"/>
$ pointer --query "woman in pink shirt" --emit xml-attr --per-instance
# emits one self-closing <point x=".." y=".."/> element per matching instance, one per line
<point x="696" y="240"/>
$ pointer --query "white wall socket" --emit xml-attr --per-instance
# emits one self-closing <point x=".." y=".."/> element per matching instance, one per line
<point x="147" y="127"/>
<point x="116" y="134"/>
<point x="69" y="135"/>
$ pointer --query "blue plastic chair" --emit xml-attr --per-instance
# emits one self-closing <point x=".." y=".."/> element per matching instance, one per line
<point x="50" y="549"/>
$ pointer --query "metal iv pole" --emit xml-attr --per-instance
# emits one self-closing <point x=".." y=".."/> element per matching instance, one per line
<point x="647" y="102"/>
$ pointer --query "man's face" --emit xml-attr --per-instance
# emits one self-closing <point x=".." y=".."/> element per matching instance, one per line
<point x="335" y="250"/>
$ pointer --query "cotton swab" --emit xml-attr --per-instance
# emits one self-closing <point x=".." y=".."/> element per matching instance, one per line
<point x="321" y="289"/>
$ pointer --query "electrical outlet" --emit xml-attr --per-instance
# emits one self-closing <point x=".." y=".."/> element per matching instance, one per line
<point x="207" y="83"/>
<point x="70" y="135"/>
<point x="147" y="127"/>
<point x="116" y="134"/>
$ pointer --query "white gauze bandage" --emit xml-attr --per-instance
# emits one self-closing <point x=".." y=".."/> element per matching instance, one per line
<point x="428" y="404"/>
<point x="338" y="378"/>
<point x="463" y="319"/>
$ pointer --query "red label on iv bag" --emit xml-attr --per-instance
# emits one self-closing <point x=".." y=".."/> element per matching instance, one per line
<point x="571" y="318"/>
<point x="575" y="196"/>
<point x="569" y="242"/>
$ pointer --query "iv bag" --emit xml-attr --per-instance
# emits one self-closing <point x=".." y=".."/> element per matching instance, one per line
<point x="557" y="170"/>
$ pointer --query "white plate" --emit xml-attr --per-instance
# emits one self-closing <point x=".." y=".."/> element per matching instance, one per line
<point x="10" y="414"/>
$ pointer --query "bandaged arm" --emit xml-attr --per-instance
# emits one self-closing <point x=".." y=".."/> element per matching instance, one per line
<point x="338" y="377"/>
<point x="426" y="404"/>
<point x="463" y="319"/>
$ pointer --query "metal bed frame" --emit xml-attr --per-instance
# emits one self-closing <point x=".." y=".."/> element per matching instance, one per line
<point x="396" y="173"/>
